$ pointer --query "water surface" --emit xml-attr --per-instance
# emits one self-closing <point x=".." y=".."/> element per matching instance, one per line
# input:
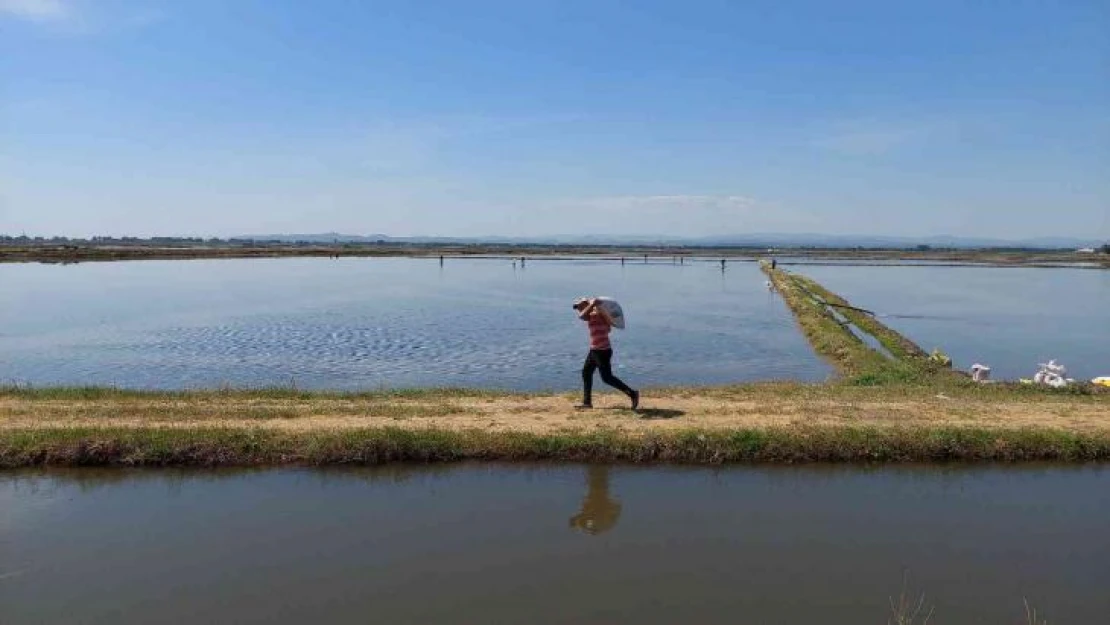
<point x="553" y="544"/>
<point x="370" y="323"/>
<point x="1007" y="318"/>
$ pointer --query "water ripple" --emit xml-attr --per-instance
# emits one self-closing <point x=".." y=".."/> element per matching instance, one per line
<point x="485" y="328"/>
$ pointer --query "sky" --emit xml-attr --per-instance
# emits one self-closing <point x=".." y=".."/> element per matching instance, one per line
<point x="555" y="117"/>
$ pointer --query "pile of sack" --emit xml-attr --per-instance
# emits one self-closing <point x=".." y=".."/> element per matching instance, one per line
<point x="1053" y="374"/>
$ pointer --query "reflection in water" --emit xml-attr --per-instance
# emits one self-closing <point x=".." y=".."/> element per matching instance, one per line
<point x="599" y="512"/>
<point x="819" y="544"/>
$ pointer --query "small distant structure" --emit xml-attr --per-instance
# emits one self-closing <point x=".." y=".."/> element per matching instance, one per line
<point x="1085" y="250"/>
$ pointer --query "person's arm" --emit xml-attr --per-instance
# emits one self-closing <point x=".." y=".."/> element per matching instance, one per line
<point x="588" y="310"/>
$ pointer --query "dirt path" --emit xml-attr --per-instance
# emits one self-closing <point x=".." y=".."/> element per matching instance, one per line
<point x="555" y="413"/>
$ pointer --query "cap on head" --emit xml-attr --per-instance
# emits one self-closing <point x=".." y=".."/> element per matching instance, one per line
<point x="580" y="302"/>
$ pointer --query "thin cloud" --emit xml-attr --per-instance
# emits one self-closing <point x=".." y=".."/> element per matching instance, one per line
<point x="690" y="215"/>
<point x="727" y="203"/>
<point x="36" y="10"/>
<point x="866" y="142"/>
<point x="143" y="18"/>
<point x="405" y="145"/>
<point x="83" y="17"/>
<point x="874" y="138"/>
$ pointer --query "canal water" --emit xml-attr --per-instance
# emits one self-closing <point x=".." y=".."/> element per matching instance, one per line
<point x="554" y="544"/>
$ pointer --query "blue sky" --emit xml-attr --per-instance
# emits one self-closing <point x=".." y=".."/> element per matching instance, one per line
<point x="538" y="117"/>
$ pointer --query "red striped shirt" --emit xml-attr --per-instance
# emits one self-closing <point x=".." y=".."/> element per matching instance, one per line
<point x="599" y="331"/>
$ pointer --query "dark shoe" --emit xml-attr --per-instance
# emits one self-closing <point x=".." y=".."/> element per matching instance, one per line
<point x="584" y="406"/>
<point x="635" y="399"/>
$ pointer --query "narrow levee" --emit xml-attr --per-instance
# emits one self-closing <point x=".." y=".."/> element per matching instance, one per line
<point x="859" y="345"/>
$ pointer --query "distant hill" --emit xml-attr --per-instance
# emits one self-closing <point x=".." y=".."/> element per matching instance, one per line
<point x="326" y="237"/>
<point x="783" y="240"/>
<point x="941" y="241"/>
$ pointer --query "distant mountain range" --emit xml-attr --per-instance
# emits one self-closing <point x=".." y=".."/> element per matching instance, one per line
<point x="738" y="240"/>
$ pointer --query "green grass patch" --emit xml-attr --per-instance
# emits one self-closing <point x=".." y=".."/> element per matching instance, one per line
<point x="897" y="344"/>
<point x="199" y="446"/>
<point x="828" y="338"/>
<point x="859" y="364"/>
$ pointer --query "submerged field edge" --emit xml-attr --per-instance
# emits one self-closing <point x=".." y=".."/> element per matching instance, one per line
<point x="218" y="446"/>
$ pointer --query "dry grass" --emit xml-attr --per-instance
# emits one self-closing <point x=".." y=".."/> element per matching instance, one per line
<point x="1031" y="616"/>
<point x="754" y="423"/>
<point x="905" y="610"/>
<point x="726" y="408"/>
<point x="912" y="609"/>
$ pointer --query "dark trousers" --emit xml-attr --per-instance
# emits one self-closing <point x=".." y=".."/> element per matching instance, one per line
<point x="600" y="359"/>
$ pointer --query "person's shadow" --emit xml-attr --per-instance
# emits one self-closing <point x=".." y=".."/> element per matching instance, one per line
<point x="652" y="413"/>
<point x="600" y="511"/>
<point x="659" y="413"/>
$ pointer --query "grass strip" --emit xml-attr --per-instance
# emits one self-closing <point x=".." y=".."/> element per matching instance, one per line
<point x="825" y="334"/>
<point x="859" y="364"/>
<point x="897" y="344"/>
<point x="212" y="447"/>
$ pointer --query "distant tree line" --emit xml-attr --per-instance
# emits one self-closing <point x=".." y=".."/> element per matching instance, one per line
<point x="105" y="240"/>
<point x="24" y="240"/>
<point x="135" y="241"/>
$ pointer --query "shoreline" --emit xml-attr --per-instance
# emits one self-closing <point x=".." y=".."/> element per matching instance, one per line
<point x="72" y="254"/>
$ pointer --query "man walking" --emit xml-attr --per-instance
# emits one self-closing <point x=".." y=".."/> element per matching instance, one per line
<point x="600" y="356"/>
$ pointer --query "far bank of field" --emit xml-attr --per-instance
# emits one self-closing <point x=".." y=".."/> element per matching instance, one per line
<point x="79" y="252"/>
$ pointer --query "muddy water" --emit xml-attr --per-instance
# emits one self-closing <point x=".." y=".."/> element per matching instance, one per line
<point x="553" y="544"/>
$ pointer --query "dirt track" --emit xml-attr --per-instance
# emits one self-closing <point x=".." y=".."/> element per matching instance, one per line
<point x="555" y="413"/>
